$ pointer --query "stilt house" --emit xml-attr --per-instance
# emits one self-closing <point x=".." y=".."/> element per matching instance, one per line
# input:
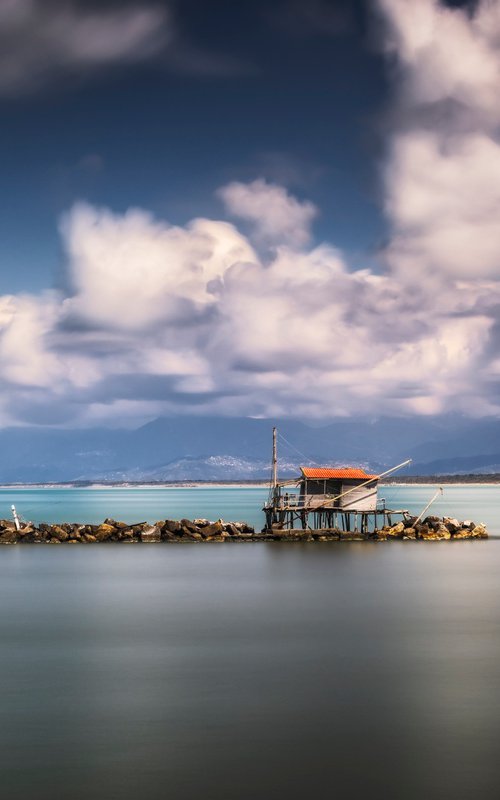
<point x="346" y="487"/>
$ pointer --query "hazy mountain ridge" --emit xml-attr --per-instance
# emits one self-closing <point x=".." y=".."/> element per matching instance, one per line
<point x="185" y="448"/>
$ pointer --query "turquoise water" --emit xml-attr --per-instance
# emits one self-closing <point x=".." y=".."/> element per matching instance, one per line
<point x="481" y="504"/>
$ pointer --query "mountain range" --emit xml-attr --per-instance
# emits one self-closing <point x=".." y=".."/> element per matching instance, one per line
<point x="230" y="448"/>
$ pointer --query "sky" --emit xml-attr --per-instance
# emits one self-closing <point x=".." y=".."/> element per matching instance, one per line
<point x="270" y="209"/>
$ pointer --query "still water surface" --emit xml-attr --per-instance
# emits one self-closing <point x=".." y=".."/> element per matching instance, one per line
<point x="480" y="503"/>
<point x="267" y="670"/>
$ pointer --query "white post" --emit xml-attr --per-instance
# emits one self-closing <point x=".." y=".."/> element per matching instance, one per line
<point x="16" y="518"/>
<point x="275" y="460"/>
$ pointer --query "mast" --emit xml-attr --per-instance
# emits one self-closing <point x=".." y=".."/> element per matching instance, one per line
<point x="275" y="460"/>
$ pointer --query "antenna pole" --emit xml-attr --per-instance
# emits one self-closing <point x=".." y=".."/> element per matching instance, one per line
<point x="275" y="460"/>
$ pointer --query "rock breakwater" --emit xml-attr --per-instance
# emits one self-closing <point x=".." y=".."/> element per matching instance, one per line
<point x="409" y="528"/>
<point x="202" y="530"/>
<point x="184" y="530"/>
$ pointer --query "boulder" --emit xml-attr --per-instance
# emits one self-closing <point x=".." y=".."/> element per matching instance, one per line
<point x="462" y="533"/>
<point x="396" y="531"/>
<point x="26" y="530"/>
<point x="151" y="534"/>
<point x="58" y="533"/>
<point x="9" y="537"/>
<point x="244" y="528"/>
<point x="172" y="526"/>
<point x="231" y="529"/>
<point x="452" y="524"/>
<point x="104" y="531"/>
<point x="189" y="534"/>
<point x="410" y="533"/>
<point x="214" y="529"/>
<point x="168" y="536"/>
<point x="434" y="534"/>
<point x="190" y="526"/>
<point x="7" y="525"/>
<point x="479" y="532"/>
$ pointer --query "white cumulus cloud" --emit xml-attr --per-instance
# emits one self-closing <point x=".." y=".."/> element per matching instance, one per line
<point x="203" y="318"/>
<point x="277" y="216"/>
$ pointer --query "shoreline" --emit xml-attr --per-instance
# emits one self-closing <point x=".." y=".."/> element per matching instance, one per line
<point x="100" y="486"/>
<point x="167" y="485"/>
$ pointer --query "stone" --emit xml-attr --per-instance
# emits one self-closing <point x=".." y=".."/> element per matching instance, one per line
<point x="231" y="529"/>
<point x="452" y="524"/>
<point x="89" y="537"/>
<point x="172" y="526"/>
<point x="104" y="531"/>
<point x="431" y="534"/>
<point x="410" y="533"/>
<point x="58" y="533"/>
<point x="396" y="531"/>
<point x="186" y="523"/>
<point x="188" y="534"/>
<point x="26" y="530"/>
<point x="151" y="534"/>
<point x="479" y="532"/>
<point x="9" y="537"/>
<point x="462" y="533"/>
<point x="244" y="528"/>
<point x="214" y="529"/>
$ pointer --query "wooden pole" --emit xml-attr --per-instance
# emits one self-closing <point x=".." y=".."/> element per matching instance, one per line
<point x="439" y="491"/>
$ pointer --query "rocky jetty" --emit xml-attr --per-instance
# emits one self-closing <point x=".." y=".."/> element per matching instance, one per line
<point x="430" y="529"/>
<point x="202" y="530"/>
<point x="184" y="530"/>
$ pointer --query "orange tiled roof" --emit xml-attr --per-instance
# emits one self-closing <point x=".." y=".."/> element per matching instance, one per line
<point x="322" y="473"/>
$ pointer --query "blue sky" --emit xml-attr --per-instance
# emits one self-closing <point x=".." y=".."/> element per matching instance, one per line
<point x="279" y="209"/>
<point x="298" y="101"/>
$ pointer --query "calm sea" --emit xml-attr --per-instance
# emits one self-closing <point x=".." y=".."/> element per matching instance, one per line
<point x="481" y="503"/>
<point x="238" y="671"/>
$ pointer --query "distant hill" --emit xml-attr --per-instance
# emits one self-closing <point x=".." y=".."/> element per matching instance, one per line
<point x="201" y="448"/>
